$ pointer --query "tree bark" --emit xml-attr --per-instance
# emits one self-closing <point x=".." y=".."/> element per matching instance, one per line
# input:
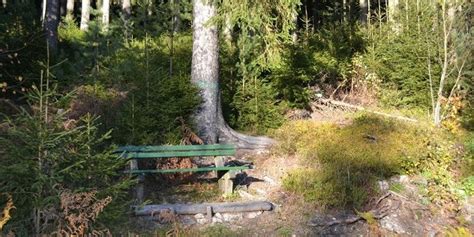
<point x="51" y="25"/>
<point x="209" y="120"/>
<point x="363" y="8"/>
<point x="70" y="9"/>
<point x="62" y="8"/>
<point x="205" y="69"/>
<point x="392" y="9"/>
<point x="126" y="9"/>
<point x="105" y="13"/>
<point x="85" y="14"/>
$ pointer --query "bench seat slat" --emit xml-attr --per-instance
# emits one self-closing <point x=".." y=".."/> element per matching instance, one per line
<point x="202" y="169"/>
<point x="168" y="154"/>
<point x="176" y="148"/>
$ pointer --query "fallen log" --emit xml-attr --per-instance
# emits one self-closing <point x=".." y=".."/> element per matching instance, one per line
<point x="192" y="209"/>
<point x="360" y="108"/>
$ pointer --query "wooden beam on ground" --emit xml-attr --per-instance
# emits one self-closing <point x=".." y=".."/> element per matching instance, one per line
<point x="192" y="209"/>
<point x="356" y="107"/>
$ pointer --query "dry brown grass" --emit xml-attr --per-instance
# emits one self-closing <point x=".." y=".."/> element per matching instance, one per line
<point x="79" y="211"/>
<point x="6" y="210"/>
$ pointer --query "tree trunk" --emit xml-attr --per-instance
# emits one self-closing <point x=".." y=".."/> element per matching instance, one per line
<point x="205" y="69"/>
<point x="70" y="9"/>
<point x="43" y="12"/>
<point x="392" y="9"/>
<point x="4" y="3"/>
<point x="363" y="6"/>
<point x="205" y="75"/>
<point x="51" y="25"/>
<point x="175" y="19"/>
<point x="62" y="8"/>
<point x="444" y="71"/>
<point x="126" y="9"/>
<point x="85" y="14"/>
<point x="105" y="13"/>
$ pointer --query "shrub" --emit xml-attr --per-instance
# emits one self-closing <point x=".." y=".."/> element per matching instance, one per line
<point x="41" y="157"/>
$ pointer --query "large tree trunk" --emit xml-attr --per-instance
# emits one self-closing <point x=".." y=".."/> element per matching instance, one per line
<point x="205" y="75"/>
<point x="205" y="69"/>
<point x="85" y="14"/>
<point x="106" y="13"/>
<point x="51" y="24"/>
<point x="70" y="9"/>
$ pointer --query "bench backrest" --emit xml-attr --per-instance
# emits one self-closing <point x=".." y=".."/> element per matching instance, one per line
<point x="143" y="152"/>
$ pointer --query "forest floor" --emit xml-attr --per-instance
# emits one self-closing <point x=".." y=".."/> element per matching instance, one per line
<point x="399" y="208"/>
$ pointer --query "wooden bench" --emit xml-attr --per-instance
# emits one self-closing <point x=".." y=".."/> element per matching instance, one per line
<point x="135" y="153"/>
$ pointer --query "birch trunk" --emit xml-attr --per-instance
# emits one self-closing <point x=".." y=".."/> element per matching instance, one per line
<point x="444" y="71"/>
<point x="105" y="13"/>
<point x="126" y="9"/>
<point x="85" y="14"/>
<point x="70" y="9"/>
<point x="392" y="9"/>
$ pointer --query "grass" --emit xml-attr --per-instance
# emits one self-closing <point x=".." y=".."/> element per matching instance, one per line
<point x="342" y="164"/>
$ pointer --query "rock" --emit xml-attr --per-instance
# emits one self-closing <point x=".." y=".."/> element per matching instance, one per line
<point x="246" y="195"/>
<point x="468" y="209"/>
<point x="229" y="217"/>
<point x="383" y="186"/>
<point x="261" y="192"/>
<point x="201" y="219"/>
<point x="269" y="180"/>
<point x="217" y="218"/>
<point x="391" y="223"/>
<point x="187" y="220"/>
<point x="420" y="180"/>
<point x="404" y="179"/>
<point x="252" y="215"/>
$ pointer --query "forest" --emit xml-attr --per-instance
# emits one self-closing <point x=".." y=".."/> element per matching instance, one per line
<point x="236" y="118"/>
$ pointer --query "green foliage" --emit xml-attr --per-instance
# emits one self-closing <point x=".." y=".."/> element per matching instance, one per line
<point x="40" y="158"/>
<point x="154" y="97"/>
<point x="401" y="60"/>
<point x="143" y="84"/>
<point x="21" y="46"/>
<point x="257" y="110"/>
<point x="322" y="58"/>
<point x="218" y="230"/>
<point x="458" y="232"/>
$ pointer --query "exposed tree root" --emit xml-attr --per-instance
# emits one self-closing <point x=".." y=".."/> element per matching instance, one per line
<point x="241" y="141"/>
<point x="377" y="213"/>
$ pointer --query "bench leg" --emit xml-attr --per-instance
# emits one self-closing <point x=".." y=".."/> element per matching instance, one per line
<point x="226" y="183"/>
<point x="140" y="188"/>
<point x="219" y="162"/>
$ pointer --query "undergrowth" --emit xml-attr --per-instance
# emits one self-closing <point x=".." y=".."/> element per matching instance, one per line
<point x="342" y="164"/>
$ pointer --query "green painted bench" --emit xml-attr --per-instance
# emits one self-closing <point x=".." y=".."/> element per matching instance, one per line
<point x="135" y="153"/>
